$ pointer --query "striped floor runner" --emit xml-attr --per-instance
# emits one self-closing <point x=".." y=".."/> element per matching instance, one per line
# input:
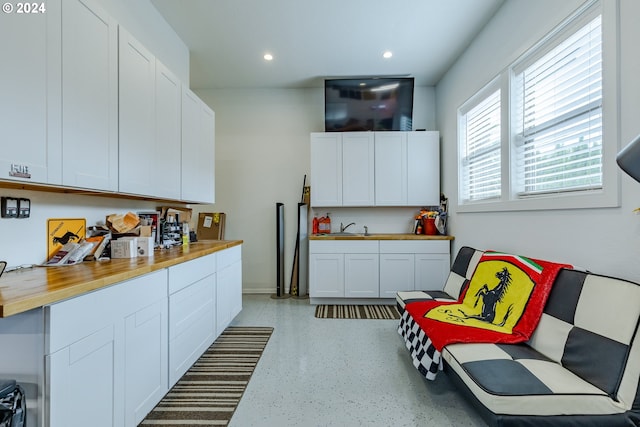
<point x="209" y="392"/>
<point x="357" y="312"/>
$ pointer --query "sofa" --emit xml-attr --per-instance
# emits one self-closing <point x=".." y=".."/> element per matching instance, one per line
<point x="579" y="367"/>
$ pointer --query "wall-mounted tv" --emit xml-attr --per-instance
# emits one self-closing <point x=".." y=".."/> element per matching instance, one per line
<point x="379" y="104"/>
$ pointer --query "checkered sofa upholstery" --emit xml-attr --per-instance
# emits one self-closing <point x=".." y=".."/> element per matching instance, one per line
<point x="581" y="367"/>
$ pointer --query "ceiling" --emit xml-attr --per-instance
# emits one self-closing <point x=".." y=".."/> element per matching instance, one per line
<point x="311" y="40"/>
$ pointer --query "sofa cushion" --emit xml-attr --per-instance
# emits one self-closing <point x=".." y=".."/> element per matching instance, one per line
<point x="517" y="380"/>
<point x="589" y="325"/>
<point x="405" y="297"/>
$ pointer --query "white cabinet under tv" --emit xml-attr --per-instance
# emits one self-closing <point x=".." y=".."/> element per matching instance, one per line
<point x="356" y="271"/>
<point x="375" y="168"/>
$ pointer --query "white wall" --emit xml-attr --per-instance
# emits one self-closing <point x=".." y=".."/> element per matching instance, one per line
<point x="602" y="240"/>
<point x="262" y="155"/>
<point x="24" y="240"/>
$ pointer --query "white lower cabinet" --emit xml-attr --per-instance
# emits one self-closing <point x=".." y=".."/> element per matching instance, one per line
<point x="326" y="274"/>
<point x="111" y="355"/>
<point x="407" y="265"/>
<point x="145" y="367"/>
<point x="357" y="269"/>
<point x="361" y="275"/>
<point x="431" y="271"/>
<point x="343" y="269"/>
<point x="397" y="273"/>
<point x="229" y="286"/>
<point x="106" y="354"/>
<point x="81" y="380"/>
<point x="192" y="313"/>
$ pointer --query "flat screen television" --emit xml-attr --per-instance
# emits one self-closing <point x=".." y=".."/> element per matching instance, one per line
<point x="376" y="104"/>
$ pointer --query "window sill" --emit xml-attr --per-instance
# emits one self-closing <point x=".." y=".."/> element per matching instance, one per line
<point x="579" y="200"/>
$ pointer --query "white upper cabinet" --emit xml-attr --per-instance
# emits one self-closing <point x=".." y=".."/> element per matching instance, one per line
<point x="149" y="122"/>
<point x="85" y="105"/>
<point x="375" y="169"/>
<point x="407" y="168"/>
<point x="30" y="79"/>
<point x="198" y="149"/>
<point x="137" y="78"/>
<point x="423" y="168"/>
<point x="167" y="132"/>
<point x="391" y="168"/>
<point x="205" y="157"/>
<point x="89" y="97"/>
<point x="358" y="169"/>
<point x="326" y="169"/>
<point x="59" y="105"/>
<point x="342" y="166"/>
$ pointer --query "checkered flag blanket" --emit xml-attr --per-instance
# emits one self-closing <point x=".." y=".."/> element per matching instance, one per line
<point x="425" y="357"/>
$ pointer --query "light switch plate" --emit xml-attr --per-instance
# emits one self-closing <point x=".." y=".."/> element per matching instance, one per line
<point x="9" y="207"/>
<point x="24" y="208"/>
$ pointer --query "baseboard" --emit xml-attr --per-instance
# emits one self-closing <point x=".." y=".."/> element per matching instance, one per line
<point x="258" y="291"/>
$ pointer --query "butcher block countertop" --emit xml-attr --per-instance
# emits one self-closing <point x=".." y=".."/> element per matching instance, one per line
<point x="377" y="236"/>
<point x="25" y="289"/>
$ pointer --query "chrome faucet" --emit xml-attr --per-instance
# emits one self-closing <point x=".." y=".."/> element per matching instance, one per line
<point x="342" y="229"/>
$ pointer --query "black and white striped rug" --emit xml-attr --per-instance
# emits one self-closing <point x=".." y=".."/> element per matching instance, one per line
<point x="357" y="312"/>
<point x="209" y="392"/>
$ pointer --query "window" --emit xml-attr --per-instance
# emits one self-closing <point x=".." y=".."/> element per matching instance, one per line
<point x="480" y="148"/>
<point x="558" y="116"/>
<point x="538" y="136"/>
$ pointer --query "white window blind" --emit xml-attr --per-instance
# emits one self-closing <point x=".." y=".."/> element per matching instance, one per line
<point x="559" y="116"/>
<point x="480" y="157"/>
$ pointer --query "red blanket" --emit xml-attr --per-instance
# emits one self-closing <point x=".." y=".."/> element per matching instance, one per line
<point x="502" y="303"/>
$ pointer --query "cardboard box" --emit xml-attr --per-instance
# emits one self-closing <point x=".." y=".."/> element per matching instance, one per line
<point x="144" y="245"/>
<point x="175" y="214"/>
<point x="124" y="248"/>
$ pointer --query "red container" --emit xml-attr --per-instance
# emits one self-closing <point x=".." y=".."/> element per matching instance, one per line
<point x="429" y="226"/>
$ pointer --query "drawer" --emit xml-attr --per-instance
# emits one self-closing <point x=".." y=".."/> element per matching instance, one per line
<point x="182" y="275"/>
<point x="414" y="246"/>
<point x="343" y="246"/>
<point x="71" y="320"/>
<point x="192" y="306"/>
<point x="228" y="256"/>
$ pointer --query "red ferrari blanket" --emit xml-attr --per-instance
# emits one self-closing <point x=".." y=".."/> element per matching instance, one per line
<point x="502" y="303"/>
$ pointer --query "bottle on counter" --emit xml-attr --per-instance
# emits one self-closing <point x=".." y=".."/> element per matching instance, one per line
<point x="419" y="228"/>
<point x="185" y="234"/>
<point x="324" y="224"/>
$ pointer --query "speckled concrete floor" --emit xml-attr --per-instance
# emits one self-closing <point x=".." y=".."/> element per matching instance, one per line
<point x="325" y="372"/>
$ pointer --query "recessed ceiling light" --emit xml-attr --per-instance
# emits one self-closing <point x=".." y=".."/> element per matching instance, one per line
<point x="388" y="54"/>
<point x="268" y="57"/>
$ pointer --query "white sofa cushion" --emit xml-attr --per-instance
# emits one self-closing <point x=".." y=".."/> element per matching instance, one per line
<point x="514" y="379"/>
